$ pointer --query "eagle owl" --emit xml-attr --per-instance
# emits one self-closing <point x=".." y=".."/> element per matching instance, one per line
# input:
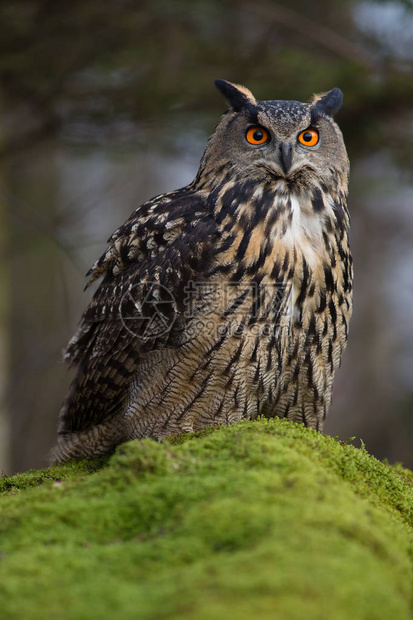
<point x="227" y="299"/>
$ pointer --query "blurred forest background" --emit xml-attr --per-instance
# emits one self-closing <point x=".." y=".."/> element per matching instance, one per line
<point x="105" y="104"/>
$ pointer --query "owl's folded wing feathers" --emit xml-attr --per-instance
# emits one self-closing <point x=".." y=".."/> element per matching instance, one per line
<point x="164" y="244"/>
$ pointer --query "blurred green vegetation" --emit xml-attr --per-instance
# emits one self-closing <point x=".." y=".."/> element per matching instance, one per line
<point x="98" y="62"/>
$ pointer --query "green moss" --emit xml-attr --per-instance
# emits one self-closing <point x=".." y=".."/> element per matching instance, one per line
<point x="36" y="477"/>
<point x="258" y="519"/>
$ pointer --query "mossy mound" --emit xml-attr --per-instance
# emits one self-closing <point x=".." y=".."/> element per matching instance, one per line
<point x="262" y="519"/>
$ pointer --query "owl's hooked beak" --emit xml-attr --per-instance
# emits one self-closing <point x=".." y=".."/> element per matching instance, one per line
<point x="286" y="156"/>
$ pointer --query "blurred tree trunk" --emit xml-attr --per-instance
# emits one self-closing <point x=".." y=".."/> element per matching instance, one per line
<point x="40" y="296"/>
<point x="5" y="301"/>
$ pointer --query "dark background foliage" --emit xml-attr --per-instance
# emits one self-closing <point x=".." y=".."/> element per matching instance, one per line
<point x="105" y="104"/>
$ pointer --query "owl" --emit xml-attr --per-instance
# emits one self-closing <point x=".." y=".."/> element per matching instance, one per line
<point x="227" y="299"/>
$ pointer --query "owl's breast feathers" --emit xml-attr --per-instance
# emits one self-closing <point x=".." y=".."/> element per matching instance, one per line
<point x="239" y="232"/>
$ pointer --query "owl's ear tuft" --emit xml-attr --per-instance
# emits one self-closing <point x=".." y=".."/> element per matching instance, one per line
<point x="238" y="96"/>
<point x="328" y="103"/>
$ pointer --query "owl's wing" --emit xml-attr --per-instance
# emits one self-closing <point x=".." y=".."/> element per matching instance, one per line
<point x="166" y="242"/>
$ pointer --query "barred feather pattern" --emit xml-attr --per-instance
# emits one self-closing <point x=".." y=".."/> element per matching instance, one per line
<point x="268" y="259"/>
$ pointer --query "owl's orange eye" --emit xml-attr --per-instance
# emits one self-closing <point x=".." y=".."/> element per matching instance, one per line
<point x="309" y="137"/>
<point x="257" y="135"/>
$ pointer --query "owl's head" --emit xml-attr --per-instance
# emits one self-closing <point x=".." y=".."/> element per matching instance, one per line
<point x="298" y="143"/>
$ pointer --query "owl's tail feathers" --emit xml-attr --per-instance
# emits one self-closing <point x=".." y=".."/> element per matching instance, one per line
<point x="95" y="441"/>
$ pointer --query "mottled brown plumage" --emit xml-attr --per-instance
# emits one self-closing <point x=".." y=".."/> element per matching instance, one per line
<point x="227" y="299"/>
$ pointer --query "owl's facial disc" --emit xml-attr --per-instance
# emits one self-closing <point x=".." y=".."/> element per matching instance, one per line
<point x="299" y="141"/>
<point x="278" y="140"/>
